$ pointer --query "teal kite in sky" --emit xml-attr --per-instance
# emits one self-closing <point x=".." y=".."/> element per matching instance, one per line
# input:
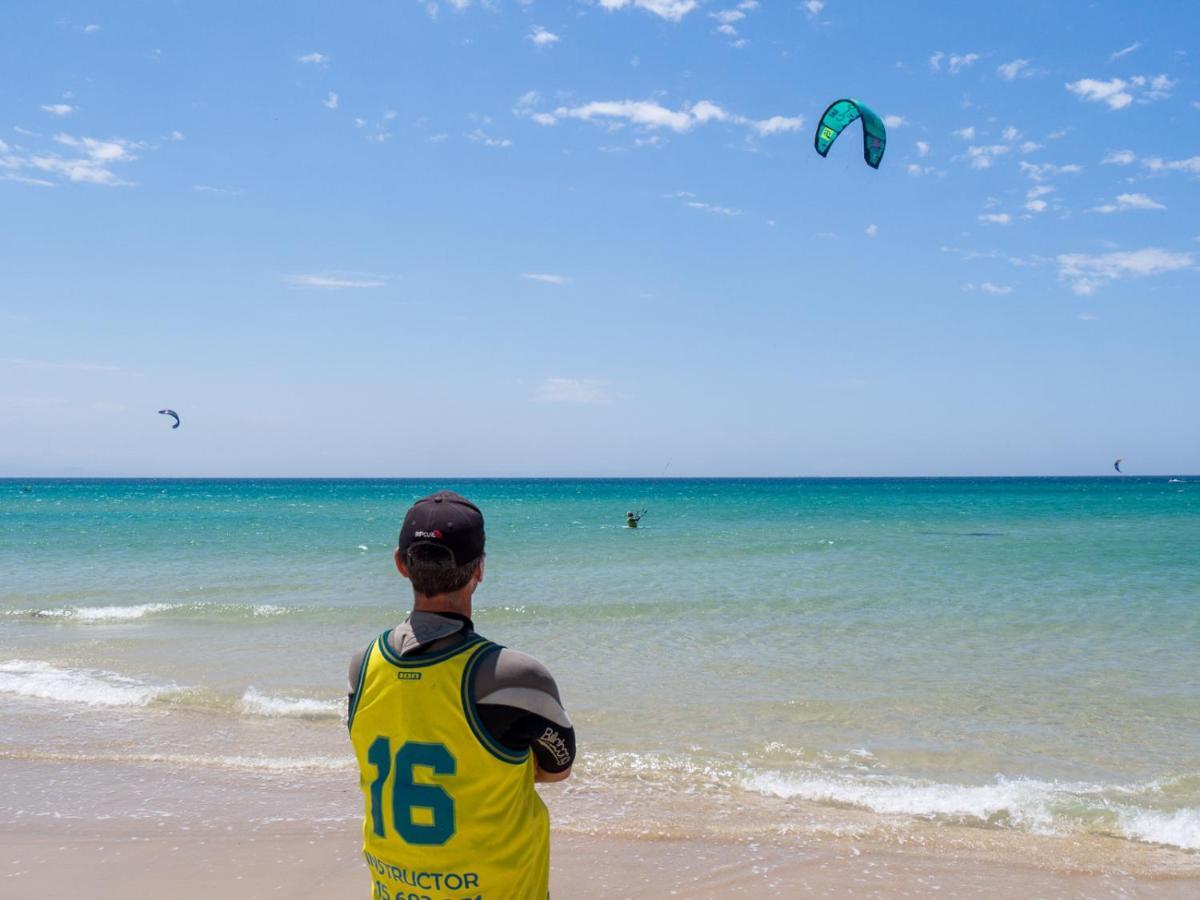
<point x="840" y="114"/>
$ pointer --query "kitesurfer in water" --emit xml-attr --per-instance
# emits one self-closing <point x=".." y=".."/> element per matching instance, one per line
<point x="632" y="518"/>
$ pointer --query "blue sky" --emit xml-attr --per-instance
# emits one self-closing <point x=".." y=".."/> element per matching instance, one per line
<point x="532" y="238"/>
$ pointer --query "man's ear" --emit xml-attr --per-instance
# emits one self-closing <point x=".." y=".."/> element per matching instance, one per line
<point x="400" y="566"/>
<point x="479" y="571"/>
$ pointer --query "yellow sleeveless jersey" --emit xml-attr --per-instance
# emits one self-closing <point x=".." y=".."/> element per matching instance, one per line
<point x="451" y="814"/>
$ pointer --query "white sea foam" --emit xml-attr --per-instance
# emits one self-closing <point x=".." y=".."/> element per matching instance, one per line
<point x="269" y="609"/>
<point x="101" y="613"/>
<point x="1023" y="803"/>
<point x="256" y="703"/>
<point x="1180" y="828"/>
<point x="90" y="687"/>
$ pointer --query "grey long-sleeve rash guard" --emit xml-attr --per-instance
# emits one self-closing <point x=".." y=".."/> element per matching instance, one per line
<point x="516" y="695"/>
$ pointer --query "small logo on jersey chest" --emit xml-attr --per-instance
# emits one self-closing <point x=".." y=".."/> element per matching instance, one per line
<point x="408" y="676"/>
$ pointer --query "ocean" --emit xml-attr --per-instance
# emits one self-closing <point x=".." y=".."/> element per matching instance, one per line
<point x="761" y="660"/>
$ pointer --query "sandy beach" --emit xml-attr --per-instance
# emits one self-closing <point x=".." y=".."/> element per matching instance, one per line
<point x="111" y="864"/>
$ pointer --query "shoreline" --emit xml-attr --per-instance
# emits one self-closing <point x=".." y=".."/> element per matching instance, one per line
<point x="118" y="862"/>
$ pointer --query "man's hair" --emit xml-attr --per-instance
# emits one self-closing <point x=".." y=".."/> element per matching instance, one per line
<point x="432" y="571"/>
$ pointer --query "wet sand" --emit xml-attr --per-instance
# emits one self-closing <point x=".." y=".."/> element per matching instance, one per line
<point x="109" y="862"/>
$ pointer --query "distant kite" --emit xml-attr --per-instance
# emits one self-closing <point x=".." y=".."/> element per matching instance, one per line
<point x="170" y="412"/>
<point x="1117" y="464"/>
<point x="840" y="114"/>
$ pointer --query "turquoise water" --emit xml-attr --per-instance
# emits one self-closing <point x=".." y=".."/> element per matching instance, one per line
<point x="1016" y="654"/>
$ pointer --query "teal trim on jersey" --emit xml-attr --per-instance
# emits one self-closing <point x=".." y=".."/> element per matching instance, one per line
<point x="358" y="688"/>
<point x="498" y="750"/>
<point x="421" y="659"/>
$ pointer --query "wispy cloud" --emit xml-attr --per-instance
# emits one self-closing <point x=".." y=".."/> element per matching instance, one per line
<point x="995" y="218"/>
<point x="1126" y="202"/>
<point x="541" y="37"/>
<point x="671" y="10"/>
<point x="872" y="230"/>
<point x="209" y="189"/>
<point x="893" y="121"/>
<point x="989" y="287"/>
<point x="91" y="164"/>
<point x="1158" y="164"/>
<point x="967" y="134"/>
<point x="589" y="391"/>
<point x="546" y="277"/>
<point x="814" y="7"/>
<point x="1118" y="158"/>
<point x="922" y="149"/>
<point x="690" y="201"/>
<point x="46" y="365"/>
<point x="1118" y="93"/>
<point x="313" y="59"/>
<point x="1087" y="273"/>
<point x="479" y="136"/>
<point x="614" y="114"/>
<point x="1011" y="71"/>
<point x="58" y="109"/>
<point x="1117" y="54"/>
<point x="955" y="62"/>
<point x="982" y="157"/>
<point x="330" y="101"/>
<point x="335" y="281"/>
<point x="1041" y="171"/>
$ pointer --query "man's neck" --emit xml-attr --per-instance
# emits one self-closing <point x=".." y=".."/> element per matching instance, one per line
<point x="454" y="604"/>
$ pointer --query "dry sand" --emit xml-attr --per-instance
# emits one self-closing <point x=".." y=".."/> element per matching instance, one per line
<point x="120" y="864"/>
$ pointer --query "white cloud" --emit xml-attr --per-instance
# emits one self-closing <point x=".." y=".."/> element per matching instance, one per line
<point x="1087" y="273"/>
<point x="922" y="149"/>
<point x="671" y="10"/>
<point x="989" y="288"/>
<point x="872" y="230"/>
<point x="1010" y="133"/>
<point x="995" y="218"/>
<point x="1118" y="93"/>
<point x="814" y="7"/>
<point x="1036" y="206"/>
<point x="541" y="37"/>
<point x="175" y="136"/>
<point x="955" y="62"/>
<point x="208" y="189"/>
<point x="1039" y="190"/>
<point x="639" y="112"/>
<point x="1136" y="45"/>
<point x="90" y="29"/>
<point x="1111" y="92"/>
<point x="1158" y="164"/>
<point x="58" y="109"/>
<point x="1129" y="201"/>
<point x="983" y="157"/>
<point x="967" y="134"/>
<point x="708" y="207"/>
<point x="478" y="136"/>
<point x="589" y="391"/>
<point x="91" y="165"/>
<point x="1118" y="158"/>
<point x="313" y="58"/>
<point x="1039" y="171"/>
<point x="649" y="114"/>
<point x="335" y="281"/>
<point x="894" y="121"/>
<point x="777" y="124"/>
<point x="1030" y="146"/>
<point x="1087" y="317"/>
<point x="1018" y="68"/>
<point x="331" y="101"/>
<point x="546" y="277"/>
<point x="958" y="63"/>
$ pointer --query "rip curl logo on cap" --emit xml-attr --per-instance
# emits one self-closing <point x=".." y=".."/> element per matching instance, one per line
<point x="435" y="534"/>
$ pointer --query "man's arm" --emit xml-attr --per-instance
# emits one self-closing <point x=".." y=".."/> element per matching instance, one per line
<point x="518" y="702"/>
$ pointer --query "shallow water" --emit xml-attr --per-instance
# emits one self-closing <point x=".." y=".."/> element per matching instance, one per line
<point x="1008" y="654"/>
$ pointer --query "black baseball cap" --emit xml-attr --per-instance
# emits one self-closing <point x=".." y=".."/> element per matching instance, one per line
<point x="444" y="519"/>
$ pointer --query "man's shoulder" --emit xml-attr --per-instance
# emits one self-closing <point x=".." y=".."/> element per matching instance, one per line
<point x="509" y="669"/>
